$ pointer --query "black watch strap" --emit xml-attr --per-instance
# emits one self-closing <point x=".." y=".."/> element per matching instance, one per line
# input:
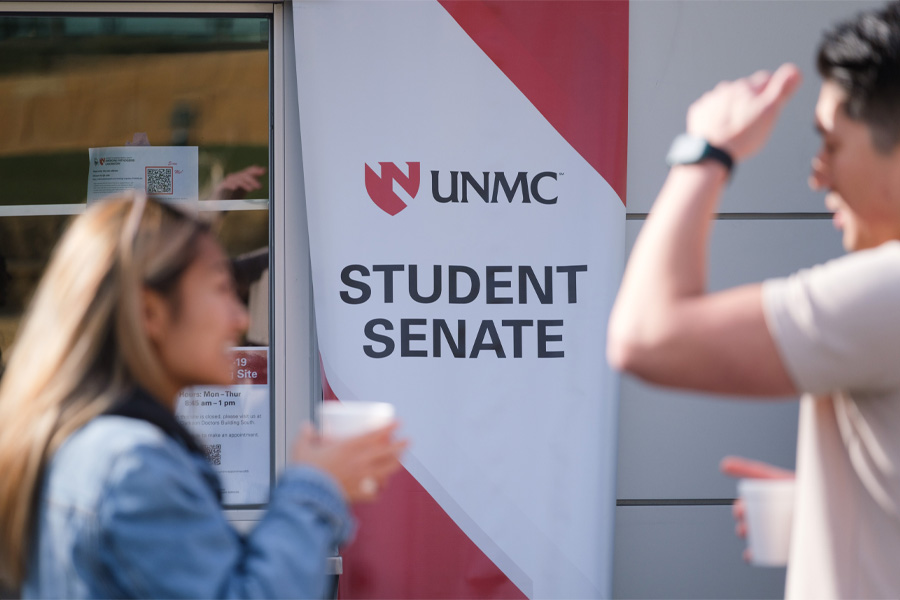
<point x="690" y="149"/>
<point x="720" y="155"/>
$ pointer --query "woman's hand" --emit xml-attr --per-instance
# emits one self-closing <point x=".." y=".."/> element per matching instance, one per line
<point x="359" y="464"/>
<point x="744" y="468"/>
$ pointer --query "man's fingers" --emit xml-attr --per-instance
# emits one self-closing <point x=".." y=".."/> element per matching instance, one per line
<point x="782" y="85"/>
<point x="745" y="468"/>
<point x="737" y="509"/>
<point x="758" y="80"/>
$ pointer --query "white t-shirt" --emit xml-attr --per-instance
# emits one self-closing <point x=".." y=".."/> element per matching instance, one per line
<point x="837" y="327"/>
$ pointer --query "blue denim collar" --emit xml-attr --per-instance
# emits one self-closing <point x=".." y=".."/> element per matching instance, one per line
<point x="139" y="404"/>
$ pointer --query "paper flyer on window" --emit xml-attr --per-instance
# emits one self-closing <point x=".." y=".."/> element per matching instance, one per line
<point x="165" y="172"/>
<point x="232" y="424"/>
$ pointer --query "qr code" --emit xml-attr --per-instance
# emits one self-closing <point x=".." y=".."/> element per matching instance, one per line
<point x="159" y="180"/>
<point x="214" y="454"/>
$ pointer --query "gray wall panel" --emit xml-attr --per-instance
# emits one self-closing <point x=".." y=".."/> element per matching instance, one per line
<point x="670" y="444"/>
<point x="748" y="251"/>
<point x="685" y="552"/>
<point x="681" y="49"/>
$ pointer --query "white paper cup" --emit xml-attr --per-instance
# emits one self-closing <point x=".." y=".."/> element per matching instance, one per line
<point x="769" y="513"/>
<point x="347" y="419"/>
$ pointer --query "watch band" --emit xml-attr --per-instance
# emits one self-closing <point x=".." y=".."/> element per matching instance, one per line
<point x="690" y="149"/>
<point x="720" y="155"/>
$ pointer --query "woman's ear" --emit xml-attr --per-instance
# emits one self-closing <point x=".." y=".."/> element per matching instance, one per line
<point x="155" y="314"/>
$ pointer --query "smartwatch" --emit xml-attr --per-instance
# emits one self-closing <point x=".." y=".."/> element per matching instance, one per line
<point x="689" y="149"/>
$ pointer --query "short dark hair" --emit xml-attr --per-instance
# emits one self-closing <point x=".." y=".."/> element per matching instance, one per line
<point x="862" y="56"/>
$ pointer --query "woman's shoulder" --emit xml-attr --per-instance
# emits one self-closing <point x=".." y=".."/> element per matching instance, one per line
<point x="107" y="438"/>
<point x="106" y="450"/>
<point x="116" y="431"/>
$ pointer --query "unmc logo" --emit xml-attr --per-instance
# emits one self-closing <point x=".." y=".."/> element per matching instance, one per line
<point x="381" y="187"/>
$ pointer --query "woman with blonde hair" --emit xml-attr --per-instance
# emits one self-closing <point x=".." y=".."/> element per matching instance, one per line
<point x="103" y="492"/>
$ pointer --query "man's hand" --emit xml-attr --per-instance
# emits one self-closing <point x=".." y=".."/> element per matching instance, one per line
<point x="743" y="468"/>
<point x="738" y="116"/>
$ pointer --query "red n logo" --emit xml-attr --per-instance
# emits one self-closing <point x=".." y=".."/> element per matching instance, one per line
<point x="381" y="187"/>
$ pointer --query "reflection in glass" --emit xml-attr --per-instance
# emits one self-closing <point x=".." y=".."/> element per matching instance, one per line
<point x="70" y="83"/>
<point x="25" y="245"/>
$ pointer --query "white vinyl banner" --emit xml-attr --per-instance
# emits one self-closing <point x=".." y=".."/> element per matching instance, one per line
<point x="465" y="259"/>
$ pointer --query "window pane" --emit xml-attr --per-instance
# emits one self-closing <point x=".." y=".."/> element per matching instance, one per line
<point x="72" y="83"/>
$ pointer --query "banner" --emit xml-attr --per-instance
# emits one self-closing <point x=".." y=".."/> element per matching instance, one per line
<point x="464" y="165"/>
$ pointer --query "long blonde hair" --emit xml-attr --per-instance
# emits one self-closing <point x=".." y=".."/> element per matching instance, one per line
<point x="82" y="345"/>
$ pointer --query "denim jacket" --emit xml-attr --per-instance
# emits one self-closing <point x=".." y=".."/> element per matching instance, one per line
<point x="128" y="510"/>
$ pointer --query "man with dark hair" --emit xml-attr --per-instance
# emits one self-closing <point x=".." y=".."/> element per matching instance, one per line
<point x="830" y="332"/>
<point x="861" y="57"/>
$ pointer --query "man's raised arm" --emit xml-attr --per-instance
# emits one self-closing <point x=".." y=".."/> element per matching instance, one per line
<point x="664" y="327"/>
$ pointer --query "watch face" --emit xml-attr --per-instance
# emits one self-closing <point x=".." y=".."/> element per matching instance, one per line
<point x="687" y="150"/>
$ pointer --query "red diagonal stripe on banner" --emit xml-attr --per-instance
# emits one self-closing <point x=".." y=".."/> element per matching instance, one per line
<point x="408" y="547"/>
<point x="570" y="59"/>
